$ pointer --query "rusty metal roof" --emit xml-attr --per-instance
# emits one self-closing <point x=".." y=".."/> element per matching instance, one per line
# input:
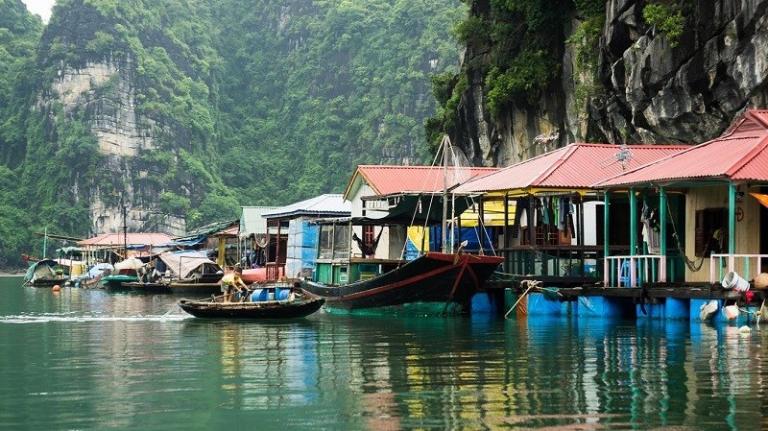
<point x="388" y="179"/>
<point x="740" y="155"/>
<point x="575" y="166"/>
<point x="116" y="239"/>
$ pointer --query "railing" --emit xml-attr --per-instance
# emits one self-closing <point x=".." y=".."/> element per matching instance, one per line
<point x="566" y="262"/>
<point x="634" y="271"/>
<point x="739" y="263"/>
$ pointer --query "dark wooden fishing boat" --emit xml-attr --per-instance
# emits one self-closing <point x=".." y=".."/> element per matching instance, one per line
<point x="149" y="287"/>
<point x="189" y="287"/>
<point x="433" y="277"/>
<point x="301" y="306"/>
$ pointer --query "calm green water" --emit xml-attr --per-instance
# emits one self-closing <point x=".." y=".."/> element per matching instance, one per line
<point x="84" y="359"/>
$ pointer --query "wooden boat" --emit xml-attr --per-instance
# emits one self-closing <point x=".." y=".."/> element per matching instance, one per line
<point x="116" y="282"/>
<point x="148" y="287"/>
<point x="45" y="273"/>
<point x="126" y="271"/>
<point x="433" y="277"/>
<point x="301" y="305"/>
<point x="191" y="287"/>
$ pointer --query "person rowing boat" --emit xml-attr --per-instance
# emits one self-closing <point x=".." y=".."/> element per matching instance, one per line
<point x="232" y="283"/>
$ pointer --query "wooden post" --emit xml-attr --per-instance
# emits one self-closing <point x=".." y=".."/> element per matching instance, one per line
<point x="606" y="242"/>
<point x="277" y="249"/>
<point x="333" y="241"/>
<point x="221" y="252"/>
<point x="532" y="234"/>
<point x="481" y="224"/>
<point x="663" y="234"/>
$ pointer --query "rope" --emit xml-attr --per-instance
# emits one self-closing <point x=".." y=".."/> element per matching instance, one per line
<point x="531" y="284"/>
<point x="429" y="208"/>
<point x="481" y="225"/>
<point x="692" y="265"/>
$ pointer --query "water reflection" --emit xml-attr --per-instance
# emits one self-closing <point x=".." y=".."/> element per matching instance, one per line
<point x="141" y="368"/>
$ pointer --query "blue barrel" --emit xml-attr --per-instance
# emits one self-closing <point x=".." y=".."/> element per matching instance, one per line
<point x="259" y="295"/>
<point x="282" y="294"/>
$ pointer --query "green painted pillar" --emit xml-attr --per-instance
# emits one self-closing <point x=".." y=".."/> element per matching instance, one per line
<point x="731" y="218"/>
<point x="607" y="270"/>
<point x="663" y="232"/>
<point x="606" y="223"/>
<point x="632" y="222"/>
<point x="663" y="221"/>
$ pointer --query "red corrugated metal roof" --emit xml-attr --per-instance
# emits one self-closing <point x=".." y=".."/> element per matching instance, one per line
<point x="116" y="239"/>
<point x="385" y="179"/>
<point x="575" y="166"/>
<point x="739" y="155"/>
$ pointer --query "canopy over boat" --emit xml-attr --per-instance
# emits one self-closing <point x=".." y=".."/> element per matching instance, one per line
<point x="129" y="264"/>
<point x="41" y="269"/>
<point x="184" y="264"/>
<point x="405" y="209"/>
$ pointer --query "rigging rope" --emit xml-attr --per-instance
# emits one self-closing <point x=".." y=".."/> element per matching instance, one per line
<point x="692" y="265"/>
<point x="429" y="208"/>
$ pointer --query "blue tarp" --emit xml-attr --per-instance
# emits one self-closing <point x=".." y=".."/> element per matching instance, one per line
<point x="469" y="234"/>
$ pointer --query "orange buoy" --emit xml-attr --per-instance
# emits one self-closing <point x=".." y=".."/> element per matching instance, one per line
<point x="56" y="288"/>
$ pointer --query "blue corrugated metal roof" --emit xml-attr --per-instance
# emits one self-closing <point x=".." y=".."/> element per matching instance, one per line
<point x="326" y="205"/>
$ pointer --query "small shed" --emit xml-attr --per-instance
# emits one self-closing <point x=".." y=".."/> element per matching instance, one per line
<point x="291" y="239"/>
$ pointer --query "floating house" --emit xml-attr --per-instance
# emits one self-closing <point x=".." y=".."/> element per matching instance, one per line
<point x="253" y="234"/>
<point x="720" y="185"/>
<point x="377" y="191"/>
<point x="292" y="239"/>
<point x="138" y="244"/>
<point x="553" y="223"/>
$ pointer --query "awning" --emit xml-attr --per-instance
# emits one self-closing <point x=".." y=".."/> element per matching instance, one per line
<point x="183" y="264"/>
<point x="417" y="209"/>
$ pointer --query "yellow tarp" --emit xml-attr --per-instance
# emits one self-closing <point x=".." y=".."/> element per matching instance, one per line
<point x="415" y="234"/>
<point x="763" y="199"/>
<point x="493" y="214"/>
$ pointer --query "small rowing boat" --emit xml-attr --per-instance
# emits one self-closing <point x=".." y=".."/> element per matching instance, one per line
<point x="299" y="304"/>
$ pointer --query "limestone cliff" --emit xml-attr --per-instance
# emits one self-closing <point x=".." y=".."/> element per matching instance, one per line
<point x="639" y="84"/>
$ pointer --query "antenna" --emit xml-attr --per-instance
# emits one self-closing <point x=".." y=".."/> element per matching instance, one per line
<point x="622" y="157"/>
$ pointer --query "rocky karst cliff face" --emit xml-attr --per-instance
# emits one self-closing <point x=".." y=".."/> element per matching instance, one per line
<point x="642" y="86"/>
<point x="102" y="95"/>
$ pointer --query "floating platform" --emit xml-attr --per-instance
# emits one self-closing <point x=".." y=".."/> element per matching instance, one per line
<point x="667" y="302"/>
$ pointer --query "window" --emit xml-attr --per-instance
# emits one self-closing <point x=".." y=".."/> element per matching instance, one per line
<point x="711" y="232"/>
<point x="368" y="235"/>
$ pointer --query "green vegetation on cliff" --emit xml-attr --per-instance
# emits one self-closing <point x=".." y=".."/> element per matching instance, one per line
<point x="233" y="102"/>
<point x="313" y="88"/>
<point x="517" y="47"/>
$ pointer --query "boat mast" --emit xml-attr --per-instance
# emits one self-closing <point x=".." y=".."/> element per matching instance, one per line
<point x="125" y="228"/>
<point x="444" y="226"/>
<point x="45" y="242"/>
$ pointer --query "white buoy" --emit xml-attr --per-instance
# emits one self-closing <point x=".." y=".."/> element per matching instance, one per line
<point x="745" y="330"/>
